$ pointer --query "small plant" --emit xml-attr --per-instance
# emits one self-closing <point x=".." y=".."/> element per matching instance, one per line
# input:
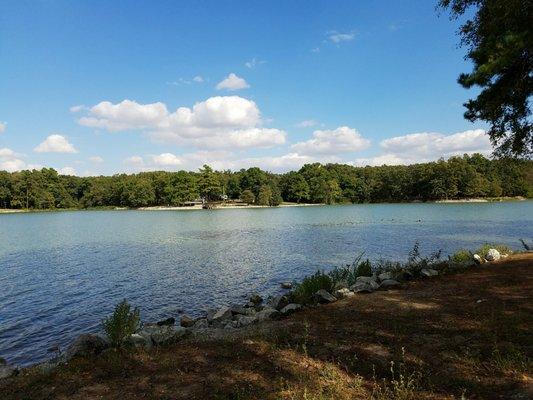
<point x="121" y="324"/>
<point x="364" y="268"/>
<point x="503" y="249"/>
<point x="346" y="276"/>
<point x="416" y="262"/>
<point x="461" y="257"/>
<point x="402" y="384"/>
<point x="512" y="360"/>
<point x="304" y="292"/>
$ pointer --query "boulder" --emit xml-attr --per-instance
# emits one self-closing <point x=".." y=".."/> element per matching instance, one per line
<point x="86" y="345"/>
<point x="369" y="280"/>
<point x="139" y="342"/>
<point x="384" y="276"/>
<point x="478" y="259"/>
<point x="255" y="299"/>
<point x="201" y="324"/>
<point x="389" y="283"/>
<point x="160" y="335"/>
<point x="186" y="321"/>
<point x="362" y="287"/>
<point x="286" y="285"/>
<point x="291" y="308"/>
<point x="267" y="313"/>
<point x="324" y="297"/>
<point x="493" y="255"/>
<point x="245" y="320"/>
<point x="167" y="322"/>
<point x="427" y="272"/>
<point x="219" y="317"/>
<point x="278" y="302"/>
<point x="242" y="310"/>
<point x="344" y="292"/>
<point x="7" y="371"/>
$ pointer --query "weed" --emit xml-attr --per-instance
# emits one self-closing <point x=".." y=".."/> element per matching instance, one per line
<point x="503" y="249"/>
<point x="461" y="257"/>
<point x="402" y="385"/>
<point x="304" y="292"/>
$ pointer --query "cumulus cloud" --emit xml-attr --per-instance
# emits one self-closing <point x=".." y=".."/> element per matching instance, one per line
<point x="198" y="79"/>
<point x="338" y="37"/>
<point x="232" y="82"/>
<point x="96" y="159"/>
<point x="67" y="171"/>
<point x="2" y="127"/>
<point x="55" y="144"/>
<point x="341" y="140"/>
<point x="429" y="146"/>
<point x="221" y="121"/>
<point x="10" y="161"/>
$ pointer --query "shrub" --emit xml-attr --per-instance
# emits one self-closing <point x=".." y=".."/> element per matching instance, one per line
<point x="364" y="268"/>
<point x="122" y="323"/>
<point x="503" y="249"/>
<point x="461" y="257"/>
<point x="416" y="262"/>
<point x="346" y="275"/>
<point x="303" y="292"/>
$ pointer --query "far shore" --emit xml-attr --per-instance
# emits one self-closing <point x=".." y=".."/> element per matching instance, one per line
<point x="223" y="206"/>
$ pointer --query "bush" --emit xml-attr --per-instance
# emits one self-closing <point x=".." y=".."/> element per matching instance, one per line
<point x="303" y="292"/>
<point x="483" y="250"/>
<point x="121" y="324"/>
<point x="346" y="276"/>
<point x="461" y="257"/>
<point x="364" y="268"/>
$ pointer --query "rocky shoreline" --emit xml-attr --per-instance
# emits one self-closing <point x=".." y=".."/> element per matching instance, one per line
<point x="228" y="320"/>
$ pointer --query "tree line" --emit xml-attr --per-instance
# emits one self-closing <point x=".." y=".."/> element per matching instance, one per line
<point x="456" y="178"/>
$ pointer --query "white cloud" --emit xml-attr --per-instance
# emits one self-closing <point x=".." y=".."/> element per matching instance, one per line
<point x="341" y="140"/>
<point x="134" y="161"/>
<point x="96" y="159"/>
<point x="55" y="144"/>
<point x="338" y="37"/>
<point x="167" y="159"/>
<point x="2" y="127"/>
<point x="429" y="146"/>
<point x="217" y="122"/>
<point x="232" y="82"/>
<point x="75" y="109"/>
<point x="198" y="79"/>
<point x="315" y="50"/>
<point x="308" y="123"/>
<point x="10" y="161"/>
<point x="254" y="62"/>
<point x="67" y="171"/>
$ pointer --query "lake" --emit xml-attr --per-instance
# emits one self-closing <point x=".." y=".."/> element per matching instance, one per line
<point x="61" y="273"/>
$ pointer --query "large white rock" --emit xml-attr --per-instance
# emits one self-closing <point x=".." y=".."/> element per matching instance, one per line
<point x="427" y="272"/>
<point x="493" y="255"/>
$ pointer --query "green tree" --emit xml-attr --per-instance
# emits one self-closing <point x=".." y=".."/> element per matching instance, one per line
<point x="264" y="197"/>
<point x="500" y="45"/>
<point x="138" y="192"/>
<point x="209" y="184"/>
<point x="248" y="196"/>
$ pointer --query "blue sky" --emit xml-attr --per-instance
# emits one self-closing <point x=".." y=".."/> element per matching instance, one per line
<point x="100" y="87"/>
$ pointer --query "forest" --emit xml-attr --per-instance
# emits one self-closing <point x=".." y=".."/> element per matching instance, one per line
<point x="468" y="176"/>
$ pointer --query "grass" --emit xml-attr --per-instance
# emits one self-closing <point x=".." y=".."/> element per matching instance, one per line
<point x="401" y="385"/>
<point x="503" y="249"/>
<point x="304" y="291"/>
<point x="462" y="257"/>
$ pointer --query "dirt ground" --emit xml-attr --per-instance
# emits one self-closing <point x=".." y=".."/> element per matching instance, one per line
<point x="464" y="336"/>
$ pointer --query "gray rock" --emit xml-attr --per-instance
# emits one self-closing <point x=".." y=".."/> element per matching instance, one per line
<point x="7" y="371"/>
<point x="219" y="317"/>
<point x="384" y="276"/>
<point x="344" y="292"/>
<point x="139" y="342"/>
<point x="245" y="320"/>
<point x="186" y="321"/>
<point x="493" y="255"/>
<point x="389" y="283"/>
<point x="160" y="335"/>
<point x="427" y="272"/>
<point x="291" y="308"/>
<point x="323" y="297"/>
<point x="86" y="345"/>
<point x="278" y="302"/>
<point x="255" y="299"/>
<point x="362" y="287"/>
<point x="286" y="285"/>
<point x="267" y="313"/>
<point x="242" y="310"/>
<point x="201" y="324"/>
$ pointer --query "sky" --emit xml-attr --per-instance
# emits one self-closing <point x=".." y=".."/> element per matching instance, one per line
<point x="103" y="87"/>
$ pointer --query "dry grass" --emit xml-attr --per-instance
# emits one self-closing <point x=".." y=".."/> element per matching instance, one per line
<point x="460" y="336"/>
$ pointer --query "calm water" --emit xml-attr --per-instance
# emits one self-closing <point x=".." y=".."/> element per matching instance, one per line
<point x="61" y="273"/>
